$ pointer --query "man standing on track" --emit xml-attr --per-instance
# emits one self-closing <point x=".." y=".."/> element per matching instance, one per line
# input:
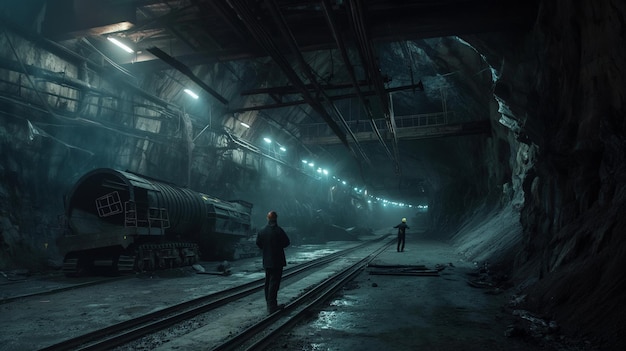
<point x="402" y="227"/>
<point x="272" y="240"/>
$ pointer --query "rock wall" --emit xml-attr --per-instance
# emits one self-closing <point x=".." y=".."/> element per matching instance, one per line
<point x="577" y="197"/>
<point x="562" y="94"/>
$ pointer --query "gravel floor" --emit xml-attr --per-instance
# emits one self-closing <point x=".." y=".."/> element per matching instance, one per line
<point x="375" y="312"/>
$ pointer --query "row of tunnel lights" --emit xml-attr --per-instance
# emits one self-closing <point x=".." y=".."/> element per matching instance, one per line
<point x="283" y="149"/>
<point x="129" y="50"/>
<point x="363" y="191"/>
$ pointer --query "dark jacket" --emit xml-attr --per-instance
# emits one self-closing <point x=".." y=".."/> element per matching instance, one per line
<point x="272" y="240"/>
<point x="402" y="227"/>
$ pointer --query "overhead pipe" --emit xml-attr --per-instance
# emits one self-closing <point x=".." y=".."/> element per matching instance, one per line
<point x="264" y="39"/>
<point x="367" y="55"/>
<point x="344" y="54"/>
<point x="366" y="51"/>
<point x="290" y="90"/>
<point x="182" y="68"/>
<point x="332" y="97"/>
<point x="291" y="41"/>
<point x="242" y="144"/>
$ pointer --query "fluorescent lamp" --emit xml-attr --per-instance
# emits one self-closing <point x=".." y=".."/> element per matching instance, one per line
<point x="325" y="171"/>
<point x="245" y="124"/>
<point x="305" y="161"/>
<point x="311" y="164"/>
<point x="268" y="140"/>
<point x="282" y="148"/>
<point x="191" y="93"/>
<point x="121" y="45"/>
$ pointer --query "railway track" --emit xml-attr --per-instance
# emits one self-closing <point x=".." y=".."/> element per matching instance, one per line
<point x="262" y="333"/>
<point x="70" y="285"/>
<point x="123" y="333"/>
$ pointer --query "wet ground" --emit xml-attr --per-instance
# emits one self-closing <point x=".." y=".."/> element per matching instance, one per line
<point x="375" y="312"/>
<point x="404" y="312"/>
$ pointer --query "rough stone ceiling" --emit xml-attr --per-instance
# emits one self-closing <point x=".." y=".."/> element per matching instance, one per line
<point x="200" y="31"/>
<point x="328" y="62"/>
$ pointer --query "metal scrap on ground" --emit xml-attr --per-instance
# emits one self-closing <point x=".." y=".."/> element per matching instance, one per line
<point x="413" y="270"/>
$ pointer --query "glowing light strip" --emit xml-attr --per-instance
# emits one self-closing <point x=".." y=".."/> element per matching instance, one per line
<point x="191" y="93"/>
<point x="121" y="45"/>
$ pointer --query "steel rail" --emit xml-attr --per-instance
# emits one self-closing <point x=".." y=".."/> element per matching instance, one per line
<point x="295" y="311"/>
<point x="62" y="289"/>
<point x="124" y="332"/>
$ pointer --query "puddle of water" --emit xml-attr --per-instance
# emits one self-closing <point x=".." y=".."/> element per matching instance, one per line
<point x="334" y="320"/>
<point x="342" y="302"/>
<point x="319" y="347"/>
<point x="313" y="254"/>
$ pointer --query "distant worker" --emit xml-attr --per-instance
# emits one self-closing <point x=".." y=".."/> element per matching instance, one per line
<point x="272" y="240"/>
<point x="402" y="227"/>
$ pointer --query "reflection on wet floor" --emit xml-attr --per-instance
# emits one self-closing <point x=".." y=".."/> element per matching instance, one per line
<point x="334" y="320"/>
<point x="319" y="347"/>
<point x="342" y="302"/>
<point x="302" y="253"/>
<point x="309" y="252"/>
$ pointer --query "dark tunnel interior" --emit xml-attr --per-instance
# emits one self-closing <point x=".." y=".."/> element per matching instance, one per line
<point x="498" y="129"/>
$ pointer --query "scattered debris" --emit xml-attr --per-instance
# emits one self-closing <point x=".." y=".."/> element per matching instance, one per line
<point x="531" y="325"/>
<point x="441" y="267"/>
<point x="16" y="275"/>
<point x="414" y="270"/>
<point x="198" y="268"/>
<point x="222" y="269"/>
<point x="477" y="283"/>
<point x="487" y="279"/>
<point x="517" y="300"/>
<point x="373" y="265"/>
<point x="542" y="331"/>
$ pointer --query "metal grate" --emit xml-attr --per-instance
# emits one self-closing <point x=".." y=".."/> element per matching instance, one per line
<point x="109" y="204"/>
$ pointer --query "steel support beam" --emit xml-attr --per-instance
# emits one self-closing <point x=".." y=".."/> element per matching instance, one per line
<point x="263" y="37"/>
<point x="307" y="70"/>
<point x="360" y="28"/>
<point x="332" y="97"/>
<point x="344" y="54"/>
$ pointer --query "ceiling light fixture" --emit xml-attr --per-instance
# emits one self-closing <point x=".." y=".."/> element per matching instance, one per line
<point x="283" y="149"/>
<point x="268" y="140"/>
<point x="191" y="93"/>
<point x="121" y="45"/>
<point x="245" y="124"/>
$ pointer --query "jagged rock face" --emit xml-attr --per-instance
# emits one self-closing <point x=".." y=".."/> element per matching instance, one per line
<point x="556" y="155"/>
<point x="567" y="92"/>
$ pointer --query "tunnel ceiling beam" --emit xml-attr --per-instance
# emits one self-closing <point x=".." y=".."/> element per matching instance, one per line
<point x="388" y="21"/>
<point x="418" y="86"/>
<point x="350" y="68"/>
<point x="179" y="66"/>
<point x="357" y="14"/>
<point x="261" y="35"/>
<point x="287" y="90"/>
<point x="308" y="72"/>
